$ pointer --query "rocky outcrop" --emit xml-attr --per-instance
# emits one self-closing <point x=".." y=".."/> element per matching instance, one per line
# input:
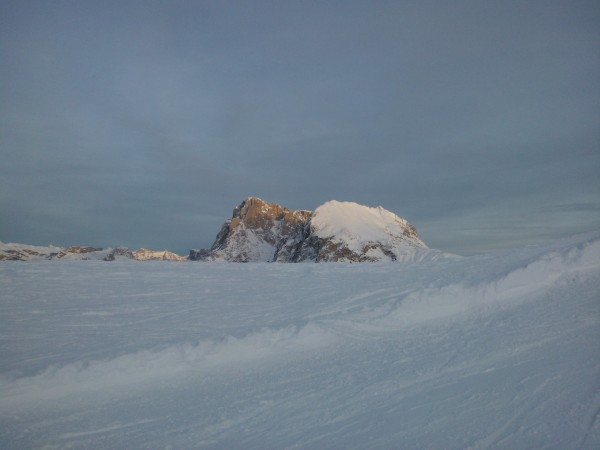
<point x="199" y="255"/>
<point x="260" y="231"/>
<point x="23" y="252"/>
<point x="156" y="255"/>
<point x="113" y="254"/>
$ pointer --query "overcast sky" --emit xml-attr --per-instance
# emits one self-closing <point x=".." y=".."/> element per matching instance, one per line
<point x="143" y="123"/>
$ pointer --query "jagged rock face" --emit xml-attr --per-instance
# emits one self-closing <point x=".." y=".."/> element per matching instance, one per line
<point x="259" y="231"/>
<point x="336" y="231"/>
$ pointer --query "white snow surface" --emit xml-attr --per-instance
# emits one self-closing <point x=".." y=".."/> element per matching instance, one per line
<point x="490" y="351"/>
<point x="357" y="225"/>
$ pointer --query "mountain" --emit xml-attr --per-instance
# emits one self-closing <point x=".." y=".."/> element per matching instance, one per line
<point x="260" y="231"/>
<point x="23" y="252"/>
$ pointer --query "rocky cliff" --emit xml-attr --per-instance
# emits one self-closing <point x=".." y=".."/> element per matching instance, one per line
<point x="260" y="231"/>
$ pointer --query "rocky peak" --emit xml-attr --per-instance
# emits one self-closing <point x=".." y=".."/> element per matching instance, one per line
<point x="258" y="231"/>
<point x="256" y="214"/>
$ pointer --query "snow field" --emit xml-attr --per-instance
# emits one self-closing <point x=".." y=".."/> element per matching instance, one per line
<point x="492" y="351"/>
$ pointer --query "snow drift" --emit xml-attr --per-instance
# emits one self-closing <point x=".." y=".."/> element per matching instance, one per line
<point x="490" y="351"/>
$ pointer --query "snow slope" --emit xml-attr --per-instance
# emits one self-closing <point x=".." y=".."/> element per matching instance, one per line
<point x="490" y="351"/>
<point x="359" y="224"/>
<point x="352" y="232"/>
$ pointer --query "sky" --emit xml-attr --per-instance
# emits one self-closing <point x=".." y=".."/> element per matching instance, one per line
<point x="144" y="123"/>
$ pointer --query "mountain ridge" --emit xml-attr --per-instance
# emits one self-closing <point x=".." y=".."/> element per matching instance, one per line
<point x="24" y="252"/>
<point x="260" y="231"/>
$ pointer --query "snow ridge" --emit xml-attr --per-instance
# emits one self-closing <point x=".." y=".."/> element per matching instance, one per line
<point x="153" y="366"/>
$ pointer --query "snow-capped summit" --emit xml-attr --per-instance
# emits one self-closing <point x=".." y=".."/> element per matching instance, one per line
<point x="356" y="232"/>
<point x="260" y="231"/>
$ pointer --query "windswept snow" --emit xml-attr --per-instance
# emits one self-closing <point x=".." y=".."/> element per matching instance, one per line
<point x="491" y="351"/>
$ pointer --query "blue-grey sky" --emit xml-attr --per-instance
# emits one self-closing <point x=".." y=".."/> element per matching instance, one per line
<point x="143" y="123"/>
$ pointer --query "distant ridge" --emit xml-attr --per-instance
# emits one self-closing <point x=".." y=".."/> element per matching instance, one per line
<point x="259" y="231"/>
<point x="23" y="252"/>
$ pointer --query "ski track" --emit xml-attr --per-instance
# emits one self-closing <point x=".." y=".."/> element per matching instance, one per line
<point x="491" y="351"/>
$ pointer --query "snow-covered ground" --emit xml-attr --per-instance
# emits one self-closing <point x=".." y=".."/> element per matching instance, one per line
<point x="493" y="351"/>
